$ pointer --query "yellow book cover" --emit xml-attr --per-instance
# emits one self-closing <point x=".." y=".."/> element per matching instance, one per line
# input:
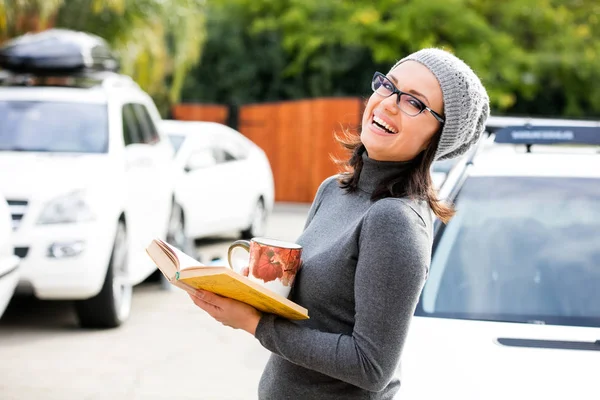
<point x="185" y="272"/>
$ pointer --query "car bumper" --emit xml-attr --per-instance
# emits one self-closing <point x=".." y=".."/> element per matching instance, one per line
<point x="64" y="261"/>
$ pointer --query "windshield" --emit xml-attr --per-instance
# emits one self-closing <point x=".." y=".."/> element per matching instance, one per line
<point x="176" y="141"/>
<point x="53" y="127"/>
<point x="443" y="166"/>
<point x="519" y="249"/>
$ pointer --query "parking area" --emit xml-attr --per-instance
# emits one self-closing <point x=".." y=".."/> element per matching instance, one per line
<point x="169" y="349"/>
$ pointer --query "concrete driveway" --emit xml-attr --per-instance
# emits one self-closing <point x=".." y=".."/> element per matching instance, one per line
<point x="169" y="349"/>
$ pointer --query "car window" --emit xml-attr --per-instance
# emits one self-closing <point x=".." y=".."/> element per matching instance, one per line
<point x="221" y="154"/>
<point x="176" y="141"/>
<point x="228" y="150"/>
<point x="228" y="156"/>
<point x="149" y="132"/>
<point x="521" y="249"/>
<point x="132" y="132"/>
<point x="443" y="166"/>
<point x="237" y="145"/>
<point x="41" y="126"/>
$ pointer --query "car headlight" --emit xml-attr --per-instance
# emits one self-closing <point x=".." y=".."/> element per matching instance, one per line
<point x="71" y="207"/>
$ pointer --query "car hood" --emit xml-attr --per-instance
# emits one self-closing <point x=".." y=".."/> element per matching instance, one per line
<point x="445" y="358"/>
<point x="51" y="174"/>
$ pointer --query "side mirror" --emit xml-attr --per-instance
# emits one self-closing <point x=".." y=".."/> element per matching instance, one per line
<point x="200" y="159"/>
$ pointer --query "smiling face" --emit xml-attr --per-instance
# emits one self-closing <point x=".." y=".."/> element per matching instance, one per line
<point x="390" y="134"/>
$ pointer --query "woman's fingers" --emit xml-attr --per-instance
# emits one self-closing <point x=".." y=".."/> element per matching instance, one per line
<point x="206" y="300"/>
<point x="209" y="297"/>
<point x="229" y="312"/>
<point x="245" y="271"/>
<point x="205" y="305"/>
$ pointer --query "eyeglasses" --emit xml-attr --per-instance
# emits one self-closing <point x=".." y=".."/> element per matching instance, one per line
<point x="407" y="103"/>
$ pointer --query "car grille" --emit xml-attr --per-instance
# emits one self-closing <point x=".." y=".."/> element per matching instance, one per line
<point x="21" y="252"/>
<point x="17" y="209"/>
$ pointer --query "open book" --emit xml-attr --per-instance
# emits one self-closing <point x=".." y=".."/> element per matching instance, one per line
<point x="188" y="274"/>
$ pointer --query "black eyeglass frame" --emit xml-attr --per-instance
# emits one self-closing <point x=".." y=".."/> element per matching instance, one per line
<point x="399" y="92"/>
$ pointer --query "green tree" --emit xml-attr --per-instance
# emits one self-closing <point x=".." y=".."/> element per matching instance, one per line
<point x="242" y="64"/>
<point x="536" y="57"/>
<point x="157" y="41"/>
<point x="562" y="42"/>
<point x="20" y="16"/>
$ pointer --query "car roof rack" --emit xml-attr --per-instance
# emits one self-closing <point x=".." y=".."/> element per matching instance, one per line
<point x="530" y="135"/>
<point x="86" y="79"/>
<point x="495" y="123"/>
<point x="543" y="131"/>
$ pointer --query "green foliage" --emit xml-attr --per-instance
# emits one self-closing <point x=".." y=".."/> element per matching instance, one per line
<point x="157" y="41"/>
<point x="536" y="57"/>
<point x="243" y="62"/>
<point x="18" y="16"/>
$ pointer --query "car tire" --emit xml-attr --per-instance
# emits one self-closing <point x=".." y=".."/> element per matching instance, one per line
<point x="176" y="231"/>
<point x="111" y="307"/>
<point x="176" y="237"/>
<point x="258" y="224"/>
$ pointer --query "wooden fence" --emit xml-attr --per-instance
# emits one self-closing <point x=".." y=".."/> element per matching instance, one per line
<point x="201" y="112"/>
<point x="297" y="137"/>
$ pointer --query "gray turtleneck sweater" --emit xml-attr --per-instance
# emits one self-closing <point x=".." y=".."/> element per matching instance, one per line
<point x="364" y="265"/>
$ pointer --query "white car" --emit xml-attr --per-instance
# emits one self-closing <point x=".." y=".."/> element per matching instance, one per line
<point x="511" y="307"/>
<point x="225" y="182"/>
<point x="88" y="177"/>
<point x="9" y="263"/>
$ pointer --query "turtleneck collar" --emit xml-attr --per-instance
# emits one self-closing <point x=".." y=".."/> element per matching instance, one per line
<point x="374" y="172"/>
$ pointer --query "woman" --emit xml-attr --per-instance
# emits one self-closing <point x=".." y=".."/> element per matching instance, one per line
<point x="367" y="241"/>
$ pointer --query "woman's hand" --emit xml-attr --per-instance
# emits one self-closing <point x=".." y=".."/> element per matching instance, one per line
<point x="227" y="311"/>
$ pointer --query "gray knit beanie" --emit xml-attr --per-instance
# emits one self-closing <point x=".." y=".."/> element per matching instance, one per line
<point x="466" y="103"/>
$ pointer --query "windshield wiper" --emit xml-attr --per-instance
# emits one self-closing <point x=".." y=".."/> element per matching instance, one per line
<point x="550" y="344"/>
<point x="25" y="149"/>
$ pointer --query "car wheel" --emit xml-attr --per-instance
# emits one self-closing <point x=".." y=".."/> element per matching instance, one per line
<point x="111" y="307"/>
<point x="176" y="237"/>
<point x="176" y="231"/>
<point x="258" y="225"/>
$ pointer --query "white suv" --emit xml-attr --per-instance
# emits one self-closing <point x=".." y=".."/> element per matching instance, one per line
<point x="511" y="307"/>
<point x="86" y="172"/>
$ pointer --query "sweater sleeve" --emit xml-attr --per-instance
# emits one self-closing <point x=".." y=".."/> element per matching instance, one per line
<point x="394" y="254"/>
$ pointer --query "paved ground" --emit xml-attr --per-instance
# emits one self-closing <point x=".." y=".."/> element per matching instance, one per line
<point x="169" y="349"/>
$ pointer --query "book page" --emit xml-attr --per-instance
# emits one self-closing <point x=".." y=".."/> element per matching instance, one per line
<point x="184" y="286"/>
<point x="184" y="260"/>
<point x="162" y="260"/>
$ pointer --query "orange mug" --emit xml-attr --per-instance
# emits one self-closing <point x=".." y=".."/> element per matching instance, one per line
<point x="273" y="263"/>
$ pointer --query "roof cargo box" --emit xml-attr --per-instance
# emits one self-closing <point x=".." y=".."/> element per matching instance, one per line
<point x="57" y="51"/>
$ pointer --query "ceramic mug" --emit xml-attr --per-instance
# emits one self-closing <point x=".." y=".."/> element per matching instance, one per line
<point x="273" y="263"/>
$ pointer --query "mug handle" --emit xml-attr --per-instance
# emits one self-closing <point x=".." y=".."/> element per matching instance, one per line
<point x="245" y="244"/>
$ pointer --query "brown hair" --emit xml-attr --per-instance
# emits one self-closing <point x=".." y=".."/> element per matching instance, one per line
<point x="416" y="184"/>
